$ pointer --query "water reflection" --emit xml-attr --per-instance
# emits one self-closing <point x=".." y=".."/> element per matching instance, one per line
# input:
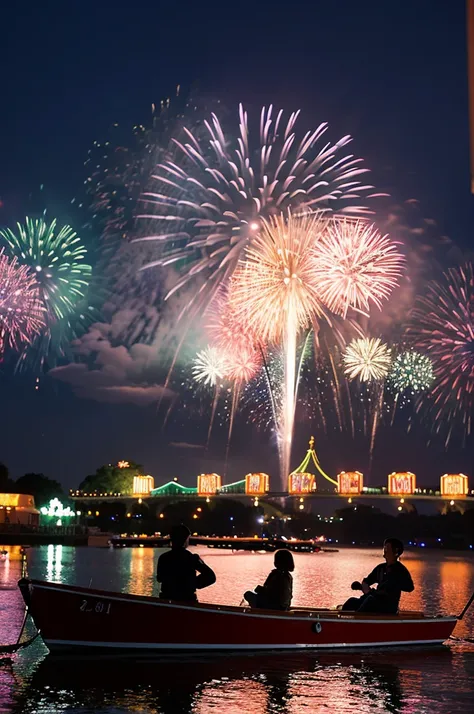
<point x="142" y="571"/>
<point x="249" y="685"/>
<point x="54" y="563"/>
<point x="401" y="682"/>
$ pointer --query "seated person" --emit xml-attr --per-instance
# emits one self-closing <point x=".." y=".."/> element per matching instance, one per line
<point x="391" y="577"/>
<point x="176" y="571"/>
<point x="277" y="591"/>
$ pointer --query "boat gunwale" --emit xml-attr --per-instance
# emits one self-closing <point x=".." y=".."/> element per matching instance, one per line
<point x="320" y="614"/>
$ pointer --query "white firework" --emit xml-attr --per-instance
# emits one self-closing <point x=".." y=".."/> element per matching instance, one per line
<point x="368" y="359"/>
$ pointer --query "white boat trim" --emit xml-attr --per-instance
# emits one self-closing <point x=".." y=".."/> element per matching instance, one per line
<point x="193" y="646"/>
<point x="339" y="616"/>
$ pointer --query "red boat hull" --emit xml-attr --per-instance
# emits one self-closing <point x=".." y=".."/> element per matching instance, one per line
<point x="73" y="618"/>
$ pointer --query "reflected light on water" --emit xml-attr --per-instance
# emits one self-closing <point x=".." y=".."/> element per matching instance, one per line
<point x="431" y="681"/>
<point x="54" y="563"/>
<point x="142" y="571"/>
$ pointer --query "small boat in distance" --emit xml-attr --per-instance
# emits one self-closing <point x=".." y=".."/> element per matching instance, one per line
<point x="72" y="618"/>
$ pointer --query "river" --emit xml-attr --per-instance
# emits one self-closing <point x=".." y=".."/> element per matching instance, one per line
<point x="399" y="681"/>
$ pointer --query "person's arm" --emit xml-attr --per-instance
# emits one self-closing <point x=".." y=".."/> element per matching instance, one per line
<point x="161" y="568"/>
<point x="206" y="575"/>
<point x="371" y="579"/>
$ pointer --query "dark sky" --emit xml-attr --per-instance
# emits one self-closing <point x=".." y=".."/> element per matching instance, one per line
<point x="392" y="74"/>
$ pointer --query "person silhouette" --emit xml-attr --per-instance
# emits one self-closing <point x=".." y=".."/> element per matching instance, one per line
<point x="392" y="578"/>
<point x="176" y="571"/>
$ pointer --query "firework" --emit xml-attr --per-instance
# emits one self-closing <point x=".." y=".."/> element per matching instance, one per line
<point x="276" y="294"/>
<point x="209" y="366"/>
<point x="411" y="371"/>
<point x="443" y="327"/>
<point x="243" y="365"/>
<point x="275" y="291"/>
<point x="368" y="359"/>
<point x="209" y="199"/>
<point x="355" y="265"/>
<point x="21" y="312"/>
<point x="56" y="255"/>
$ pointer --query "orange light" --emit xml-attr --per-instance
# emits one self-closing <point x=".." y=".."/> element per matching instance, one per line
<point x="257" y="484"/>
<point x="350" y="483"/>
<point x="401" y="483"/>
<point x="162" y="515"/>
<point x="208" y="484"/>
<point x="123" y="465"/>
<point x="301" y="483"/>
<point x="143" y="485"/>
<point x="195" y="515"/>
<point x="199" y="509"/>
<point x="454" y="485"/>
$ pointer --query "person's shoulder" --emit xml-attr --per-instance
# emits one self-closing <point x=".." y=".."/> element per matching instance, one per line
<point x="401" y="566"/>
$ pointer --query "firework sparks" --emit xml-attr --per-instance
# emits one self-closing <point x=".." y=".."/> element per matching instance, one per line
<point x="275" y="291"/>
<point x="368" y="359"/>
<point x="57" y="258"/>
<point x="355" y="265"/>
<point x="411" y="371"/>
<point x="443" y="327"/>
<point x="243" y="365"/>
<point x="21" y="313"/>
<point x="209" y="200"/>
<point x="209" y="366"/>
<point x="276" y="294"/>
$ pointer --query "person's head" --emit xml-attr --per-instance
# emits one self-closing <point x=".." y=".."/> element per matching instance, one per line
<point x="284" y="560"/>
<point x="179" y="536"/>
<point x="392" y="549"/>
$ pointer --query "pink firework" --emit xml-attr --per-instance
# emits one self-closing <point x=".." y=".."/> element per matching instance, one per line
<point x="354" y="265"/>
<point x="242" y="364"/>
<point x="443" y="327"/>
<point x="21" y="312"/>
<point x="225" y="327"/>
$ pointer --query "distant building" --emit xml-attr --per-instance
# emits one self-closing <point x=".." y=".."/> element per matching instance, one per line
<point x="18" y="509"/>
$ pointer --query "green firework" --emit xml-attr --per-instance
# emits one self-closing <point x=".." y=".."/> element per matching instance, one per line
<point x="57" y="256"/>
<point x="411" y="371"/>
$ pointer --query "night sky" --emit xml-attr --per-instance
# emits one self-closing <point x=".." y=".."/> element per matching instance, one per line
<point x="391" y="74"/>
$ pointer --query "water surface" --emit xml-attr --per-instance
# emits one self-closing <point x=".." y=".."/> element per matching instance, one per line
<point x="400" y="681"/>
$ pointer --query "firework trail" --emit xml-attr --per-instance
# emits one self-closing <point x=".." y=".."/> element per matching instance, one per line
<point x="209" y="199"/>
<point x="356" y="266"/>
<point x="442" y="326"/>
<point x="368" y="359"/>
<point x="276" y="294"/>
<point x="21" y="312"/>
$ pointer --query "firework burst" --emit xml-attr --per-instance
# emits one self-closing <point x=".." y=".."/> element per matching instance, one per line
<point x="443" y="327"/>
<point x="276" y="290"/>
<point x="355" y="265"/>
<point x="411" y="371"/>
<point x="208" y="201"/>
<point x="21" y="312"/>
<point x="368" y="359"/>
<point x="275" y="293"/>
<point x="209" y="366"/>
<point x="56" y="256"/>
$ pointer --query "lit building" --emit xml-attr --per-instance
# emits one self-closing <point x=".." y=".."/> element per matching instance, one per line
<point x="208" y="484"/>
<point x="350" y="483"/>
<point x="143" y="485"/>
<point x="301" y="483"/>
<point x="401" y="483"/>
<point x="257" y="484"/>
<point x="18" y="508"/>
<point x="454" y="485"/>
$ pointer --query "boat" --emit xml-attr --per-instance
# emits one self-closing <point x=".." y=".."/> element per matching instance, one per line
<point x="73" y="618"/>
